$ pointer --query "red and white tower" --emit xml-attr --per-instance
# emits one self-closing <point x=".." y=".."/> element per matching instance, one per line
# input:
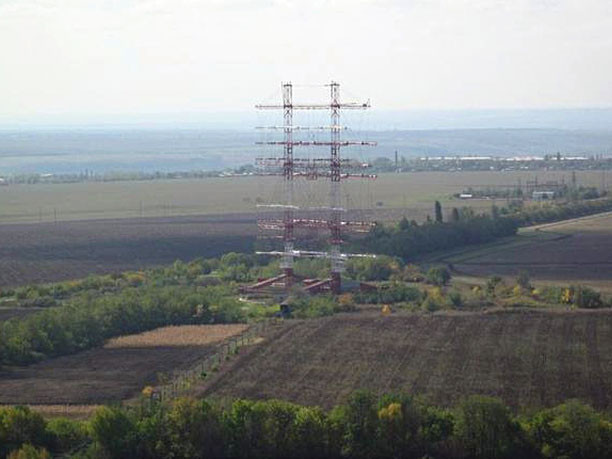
<point x="291" y="168"/>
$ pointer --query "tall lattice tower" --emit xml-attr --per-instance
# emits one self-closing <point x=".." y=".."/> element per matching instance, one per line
<point x="291" y="168"/>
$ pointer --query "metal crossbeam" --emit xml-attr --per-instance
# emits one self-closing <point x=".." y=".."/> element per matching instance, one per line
<point x="345" y="106"/>
<point x="311" y="143"/>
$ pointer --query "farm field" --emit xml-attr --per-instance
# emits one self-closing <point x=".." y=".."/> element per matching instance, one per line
<point x="529" y="359"/>
<point x="47" y="252"/>
<point x="117" y="371"/>
<point x="576" y="251"/>
<point x="52" y="232"/>
<point x="412" y="192"/>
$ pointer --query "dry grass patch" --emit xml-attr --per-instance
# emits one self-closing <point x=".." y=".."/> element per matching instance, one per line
<point x="182" y="335"/>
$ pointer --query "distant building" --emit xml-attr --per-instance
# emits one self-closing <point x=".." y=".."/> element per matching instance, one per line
<point x="466" y="196"/>
<point x="543" y="195"/>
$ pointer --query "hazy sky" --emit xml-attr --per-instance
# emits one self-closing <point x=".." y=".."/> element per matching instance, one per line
<point x="156" y="56"/>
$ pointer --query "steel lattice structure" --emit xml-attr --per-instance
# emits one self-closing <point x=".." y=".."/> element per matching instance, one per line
<point x="291" y="168"/>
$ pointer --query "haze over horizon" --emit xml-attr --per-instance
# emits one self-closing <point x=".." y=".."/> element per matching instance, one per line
<point x="129" y="61"/>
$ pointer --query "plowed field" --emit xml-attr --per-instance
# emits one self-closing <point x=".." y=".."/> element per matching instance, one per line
<point x="575" y="251"/>
<point x="119" y="370"/>
<point x="47" y="252"/>
<point x="529" y="359"/>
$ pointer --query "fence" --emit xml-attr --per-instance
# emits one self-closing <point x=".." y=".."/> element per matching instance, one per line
<point x="183" y="380"/>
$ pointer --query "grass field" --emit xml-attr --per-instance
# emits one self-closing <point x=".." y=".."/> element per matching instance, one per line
<point x="575" y="251"/>
<point x="412" y="192"/>
<point x="529" y="359"/>
<point x="115" y="372"/>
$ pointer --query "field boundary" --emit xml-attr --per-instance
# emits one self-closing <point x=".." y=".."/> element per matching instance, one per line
<point x="527" y="235"/>
<point x="183" y="380"/>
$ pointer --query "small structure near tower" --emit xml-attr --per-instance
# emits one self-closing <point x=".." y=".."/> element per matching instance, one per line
<point x="292" y="168"/>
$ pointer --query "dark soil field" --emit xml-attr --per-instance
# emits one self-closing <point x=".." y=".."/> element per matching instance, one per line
<point x="117" y="371"/>
<point x="46" y="252"/>
<point x="576" y="251"/>
<point x="529" y="359"/>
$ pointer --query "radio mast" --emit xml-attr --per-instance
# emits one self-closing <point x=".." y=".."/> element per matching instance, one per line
<point x="291" y="168"/>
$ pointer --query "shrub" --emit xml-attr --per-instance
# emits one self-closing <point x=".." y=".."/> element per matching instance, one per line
<point x="585" y="297"/>
<point x="438" y="276"/>
<point x="394" y="292"/>
<point x="523" y="281"/>
<point x="492" y="284"/>
<point x="430" y="304"/>
<point x="28" y="451"/>
<point x="455" y="300"/>
<point x="314" y="306"/>
<point x="373" y="269"/>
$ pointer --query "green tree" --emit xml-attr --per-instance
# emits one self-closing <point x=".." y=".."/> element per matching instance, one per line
<point x="494" y="212"/>
<point x="114" y="432"/>
<point x="485" y="429"/>
<point x="19" y="425"/>
<point x="438" y="211"/>
<point x="572" y="430"/>
<point x="311" y="434"/>
<point x="438" y="276"/>
<point x="522" y="280"/>
<point x="66" y="434"/>
<point x="492" y="284"/>
<point x="194" y="430"/>
<point x="360" y="425"/>
<point x="455" y="215"/>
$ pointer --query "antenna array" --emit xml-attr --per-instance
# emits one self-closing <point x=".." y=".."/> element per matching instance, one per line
<point x="291" y="168"/>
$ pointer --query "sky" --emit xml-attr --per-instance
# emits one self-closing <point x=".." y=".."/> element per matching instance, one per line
<point x="105" y="58"/>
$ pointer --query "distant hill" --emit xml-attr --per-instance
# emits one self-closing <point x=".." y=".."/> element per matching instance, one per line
<point x="100" y="150"/>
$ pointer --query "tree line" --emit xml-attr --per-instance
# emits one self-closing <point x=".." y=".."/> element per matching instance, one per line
<point x="408" y="239"/>
<point x="88" y="321"/>
<point x="366" y="426"/>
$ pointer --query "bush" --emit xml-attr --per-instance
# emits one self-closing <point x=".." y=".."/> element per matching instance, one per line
<point x="394" y="292"/>
<point x="373" y="269"/>
<point x="585" y="297"/>
<point x="438" y="276"/>
<point x="455" y="300"/>
<point x="492" y="284"/>
<point x="430" y="304"/>
<point x="523" y="281"/>
<point x="28" y="451"/>
<point x="314" y="306"/>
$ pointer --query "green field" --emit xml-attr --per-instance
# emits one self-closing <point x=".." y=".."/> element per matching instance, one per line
<point x="391" y="195"/>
